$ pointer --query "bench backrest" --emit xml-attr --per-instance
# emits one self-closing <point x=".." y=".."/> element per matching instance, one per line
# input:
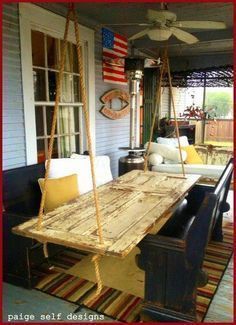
<point x="211" y="209"/>
<point x="198" y="233"/>
<point x="21" y="192"/>
<point x="221" y="190"/>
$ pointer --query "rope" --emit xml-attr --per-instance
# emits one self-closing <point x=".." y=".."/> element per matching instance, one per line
<point x="165" y="65"/>
<point x="90" y="300"/>
<point x="154" y="115"/>
<point x="174" y="111"/>
<point x="95" y="260"/>
<point x="45" y="249"/>
<point x="53" y="128"/>
<point x="86" y="116"/>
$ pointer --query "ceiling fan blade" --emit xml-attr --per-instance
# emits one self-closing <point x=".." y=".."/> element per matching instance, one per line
<point x="129" y="24"/>
<point x="139" y="34"/>
<point x="207" y="24"/>
<point x="184" y="36"/>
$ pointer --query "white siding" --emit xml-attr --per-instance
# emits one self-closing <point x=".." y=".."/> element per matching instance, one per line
<point x="165" y="102"/>
<point x="179" y="95"/>
<point x="110" y="134"/>
<point x="13" y="115"/>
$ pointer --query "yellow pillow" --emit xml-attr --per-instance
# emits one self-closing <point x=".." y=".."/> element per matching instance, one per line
<point x="59" y="191"/>
<point x="192" y="155"/>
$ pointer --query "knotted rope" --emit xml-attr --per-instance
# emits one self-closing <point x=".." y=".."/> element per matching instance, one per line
<point x="96" y="258"/>
<point x="158" y="97"/>
<point x="86" y="116"/>
<point x="175" y="118"/>
<point x="165" y="68"/>
<point x="54" y="121"/>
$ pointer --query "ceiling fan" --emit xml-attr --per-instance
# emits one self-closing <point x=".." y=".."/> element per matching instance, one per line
<point x="163" y="23"/>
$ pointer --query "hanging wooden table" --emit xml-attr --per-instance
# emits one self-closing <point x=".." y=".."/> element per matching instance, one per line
<point x="130" y="207"/>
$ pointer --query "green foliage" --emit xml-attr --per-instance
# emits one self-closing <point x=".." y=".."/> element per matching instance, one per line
<point x="219" y="103"/>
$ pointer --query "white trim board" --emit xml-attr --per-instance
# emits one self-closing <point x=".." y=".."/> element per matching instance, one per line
<point x="37" y="18"/>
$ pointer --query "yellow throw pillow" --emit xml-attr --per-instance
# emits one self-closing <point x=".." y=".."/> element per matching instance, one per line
<point x="59" y="191"/>
<point x="192" y="155"/>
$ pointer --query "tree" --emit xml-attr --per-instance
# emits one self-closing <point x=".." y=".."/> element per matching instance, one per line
<point x="218" y="103"/>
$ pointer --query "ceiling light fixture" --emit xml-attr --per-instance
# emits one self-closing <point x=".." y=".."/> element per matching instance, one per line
<point x="157" y="34"/>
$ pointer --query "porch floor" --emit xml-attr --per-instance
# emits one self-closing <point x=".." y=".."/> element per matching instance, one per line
<point x="17" y="301"/>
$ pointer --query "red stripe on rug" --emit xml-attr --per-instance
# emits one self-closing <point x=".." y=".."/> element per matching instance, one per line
<point x="130" y="308"/>
<point x="55" y="286"/>
<point x="75" y="288"/>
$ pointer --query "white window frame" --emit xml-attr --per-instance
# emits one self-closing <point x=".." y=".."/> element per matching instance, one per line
<point x="34" y="17"/>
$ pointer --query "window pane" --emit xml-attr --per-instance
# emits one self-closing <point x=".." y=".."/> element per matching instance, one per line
<point x="39" y="120"/>
<point x="52" y="52"/>
<point x="63" y="120"/>
<point x="68" y="58"/>
<point x="66" y="95"/>
<point x="39" y="85"/>
<point x="41" y="150"/>
<point x="75" y="144"/>
<point x="49" y="117"/>
<point x="55" y="148"/>
<point x="38" y="54"/>
<point x="77" y="97"/>
<point x="52" y="85"/>
<point x="65" y="147"/>
<point x="75" y="59"/>
<point x="75" y="119"/>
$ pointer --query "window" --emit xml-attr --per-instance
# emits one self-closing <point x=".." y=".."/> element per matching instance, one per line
<point x="217" y="129"/>
<point x="46" y="52"/>
<point x="219" y="102"/>
<point x="186" y="97"/>
<point x="41" y="45"/>
<point x="220" y="124"/>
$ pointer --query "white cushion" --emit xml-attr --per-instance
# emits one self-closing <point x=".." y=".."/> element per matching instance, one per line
<point x="81" y="166"/>
<point x="173" y="142"/>
<point x="166" y="151"/>
<point x="76" y="156"/>
<point x="168" y="161"/>
<point x="204" y="170"/>
<point x="155" y="159"/>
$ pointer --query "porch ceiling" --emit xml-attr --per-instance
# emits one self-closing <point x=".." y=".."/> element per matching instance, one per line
<point x="97" y="15"/>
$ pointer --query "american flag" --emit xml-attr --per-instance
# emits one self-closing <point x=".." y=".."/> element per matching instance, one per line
<point x="115" y="48"/>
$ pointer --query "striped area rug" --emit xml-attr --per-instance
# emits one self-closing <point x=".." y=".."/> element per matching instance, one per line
<point x="126" y="307"/>
<point x="63" y="260"/>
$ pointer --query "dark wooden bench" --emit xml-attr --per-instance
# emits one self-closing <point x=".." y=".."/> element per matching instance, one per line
<point x="172" y="259"/>
<point x="21" y="200"/>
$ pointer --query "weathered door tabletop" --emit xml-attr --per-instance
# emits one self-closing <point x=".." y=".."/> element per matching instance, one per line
<point x="130" y="207"/>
